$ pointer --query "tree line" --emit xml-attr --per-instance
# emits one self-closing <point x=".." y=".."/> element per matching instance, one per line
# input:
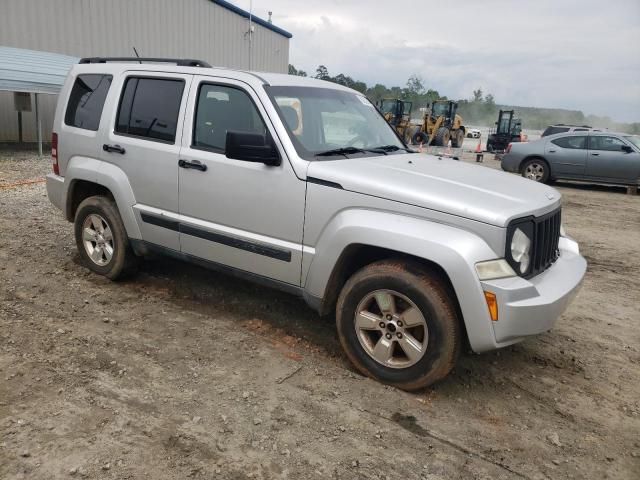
<point x="480" y="109"/>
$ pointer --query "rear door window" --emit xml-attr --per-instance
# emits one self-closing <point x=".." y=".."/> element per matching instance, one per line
<point x="86" y="101"/>
<point x="576" y="143"/>
<point x="149" y="108"/>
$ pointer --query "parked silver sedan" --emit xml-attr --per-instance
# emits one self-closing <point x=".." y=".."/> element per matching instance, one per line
<point x="599" y="157"/>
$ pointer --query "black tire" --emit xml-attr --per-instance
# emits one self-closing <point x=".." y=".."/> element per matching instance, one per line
<point x="419" y="138"/>
<point x="536" y="169"/>
<point x="457" y="139"/>
<point x="443" y="135"/>
<point x="427" y="291"/>
<point x="123" y="262"/>
<point x="489" y="147"/>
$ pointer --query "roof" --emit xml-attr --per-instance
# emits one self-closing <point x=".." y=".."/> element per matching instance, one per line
<point x="33" y="71"/>
<point x="253" y="78"/>
<point x="258" y="20"/>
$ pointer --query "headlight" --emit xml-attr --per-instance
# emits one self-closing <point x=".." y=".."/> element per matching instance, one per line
<point x="494" y="269"/>
<point x="521" y="250"/>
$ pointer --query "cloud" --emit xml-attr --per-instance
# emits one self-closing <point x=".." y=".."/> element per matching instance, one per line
<point x="573" y="54"/>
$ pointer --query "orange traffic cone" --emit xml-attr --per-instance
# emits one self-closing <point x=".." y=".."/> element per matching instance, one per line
<point x="479" y="146"/>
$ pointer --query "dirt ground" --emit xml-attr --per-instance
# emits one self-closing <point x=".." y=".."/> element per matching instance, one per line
<point x="185" y="373"/>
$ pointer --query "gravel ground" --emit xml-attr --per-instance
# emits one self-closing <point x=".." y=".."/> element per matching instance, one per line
<point x="185" y="373"/>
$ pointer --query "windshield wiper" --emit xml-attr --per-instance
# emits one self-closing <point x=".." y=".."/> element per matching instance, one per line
<point x="340" y="151"/>
<point x="391" y="148"/>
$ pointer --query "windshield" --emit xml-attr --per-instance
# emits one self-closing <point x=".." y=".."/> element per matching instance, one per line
<point x="440" y="109"/>
<point x="388" y="106"/>
<point x="634" y="139"/>
<point x="321" y="120"/>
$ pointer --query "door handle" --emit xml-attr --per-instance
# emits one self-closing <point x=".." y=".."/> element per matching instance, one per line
<point x="195" y="165"/>
<point x="552" y="151"/>
<point x="113" y="149"/>
<point x="595" y="154"/>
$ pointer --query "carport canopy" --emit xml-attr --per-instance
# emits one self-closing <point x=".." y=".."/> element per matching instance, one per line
<point x="32" y="71"/>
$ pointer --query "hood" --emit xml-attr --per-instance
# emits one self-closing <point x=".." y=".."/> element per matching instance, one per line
<point x="450" y="186"/>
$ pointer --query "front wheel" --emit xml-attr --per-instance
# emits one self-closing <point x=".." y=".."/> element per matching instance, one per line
<point x="419" y="138"/>
<point x="536" y="170"/>
<point x="398" y="324"/>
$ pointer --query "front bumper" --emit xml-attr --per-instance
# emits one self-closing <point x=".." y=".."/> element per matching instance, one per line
<point x="530" y="307"/>
<point x="56" y="190"/>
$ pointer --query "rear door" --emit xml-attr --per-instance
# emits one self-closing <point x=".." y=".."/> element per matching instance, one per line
<point x="144" y="142"/>
<point x="567" y="156"/>
<point x="608" y="162"/>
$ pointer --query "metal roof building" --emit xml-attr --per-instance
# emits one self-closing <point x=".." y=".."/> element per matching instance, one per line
<point x="215" y="31"/>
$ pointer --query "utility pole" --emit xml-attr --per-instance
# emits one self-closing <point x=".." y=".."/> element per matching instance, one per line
<point x="250" y="29"/>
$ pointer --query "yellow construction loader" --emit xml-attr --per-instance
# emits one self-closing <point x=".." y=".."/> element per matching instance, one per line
<point x="398" y="114"/>
<point x="440" y="124"/>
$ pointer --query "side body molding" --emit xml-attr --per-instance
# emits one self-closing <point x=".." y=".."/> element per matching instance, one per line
<point x="455" y="250"/>
<point x="109" y="176"/>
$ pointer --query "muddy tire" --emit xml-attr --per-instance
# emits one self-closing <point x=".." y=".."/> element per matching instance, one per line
<point x="102" y="240"/>
<point x="398" y="324"/>
<point x="457" y="139"/>
<point x="419" y="138"/>
<point x="443" y="135"/>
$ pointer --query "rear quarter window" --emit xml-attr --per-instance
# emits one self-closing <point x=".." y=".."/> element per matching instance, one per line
<point x="86" y="101"/>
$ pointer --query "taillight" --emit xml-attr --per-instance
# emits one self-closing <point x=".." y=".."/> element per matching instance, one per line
<point x="508" y="149"/>
<point x="54" y="153"/>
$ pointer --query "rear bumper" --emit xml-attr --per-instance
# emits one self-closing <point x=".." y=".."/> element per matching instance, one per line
<point x="530" y="307"/>
<point x="510" y="163"/>
<point x="56" y="190"/>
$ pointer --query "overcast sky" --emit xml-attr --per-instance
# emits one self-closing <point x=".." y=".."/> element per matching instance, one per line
<point x="577" y="54"/>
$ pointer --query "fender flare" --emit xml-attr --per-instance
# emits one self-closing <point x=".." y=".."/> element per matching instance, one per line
<point x="455" y="250"/>
<point x="109" y="176"/>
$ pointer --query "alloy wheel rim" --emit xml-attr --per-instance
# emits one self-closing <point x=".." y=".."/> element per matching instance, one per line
<point x="534" y="171"/>
<point x="97" y="239"/>
<point x="391" y="329"/>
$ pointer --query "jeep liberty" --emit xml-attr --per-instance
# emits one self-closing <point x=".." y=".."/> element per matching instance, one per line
<point x="301" y="185"/>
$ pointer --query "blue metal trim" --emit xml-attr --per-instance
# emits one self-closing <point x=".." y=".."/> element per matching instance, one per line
<point x="258" y="20"/>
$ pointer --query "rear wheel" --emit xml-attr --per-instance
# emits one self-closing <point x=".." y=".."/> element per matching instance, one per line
<point x="442" y="137"/>
<point x="489" y="147"/>
<point x="535" y="169"/>
<point x="397" y="324"/>
<point x="102" y="240"/>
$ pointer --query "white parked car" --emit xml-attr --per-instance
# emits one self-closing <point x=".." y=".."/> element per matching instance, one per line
<point x="473" y="133"/>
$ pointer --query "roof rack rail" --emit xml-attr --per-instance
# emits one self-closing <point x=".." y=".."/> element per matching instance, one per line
<point x="180" y="62"/>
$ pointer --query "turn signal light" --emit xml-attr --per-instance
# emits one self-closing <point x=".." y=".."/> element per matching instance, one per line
<point x="492" y="303"/>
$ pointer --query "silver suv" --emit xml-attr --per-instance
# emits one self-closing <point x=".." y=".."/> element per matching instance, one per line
<point x="301" y="184"/>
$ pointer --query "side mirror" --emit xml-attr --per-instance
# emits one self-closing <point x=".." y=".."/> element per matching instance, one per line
<point x="252" y="147"/>
<point x="626" y="149"/>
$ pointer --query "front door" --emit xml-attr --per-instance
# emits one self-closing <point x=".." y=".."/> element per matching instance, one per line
<point x="245" y="215"/>
<point x="567" y="156"/>
<point x="608" y="162"/>
<point x="144" y="143"/>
